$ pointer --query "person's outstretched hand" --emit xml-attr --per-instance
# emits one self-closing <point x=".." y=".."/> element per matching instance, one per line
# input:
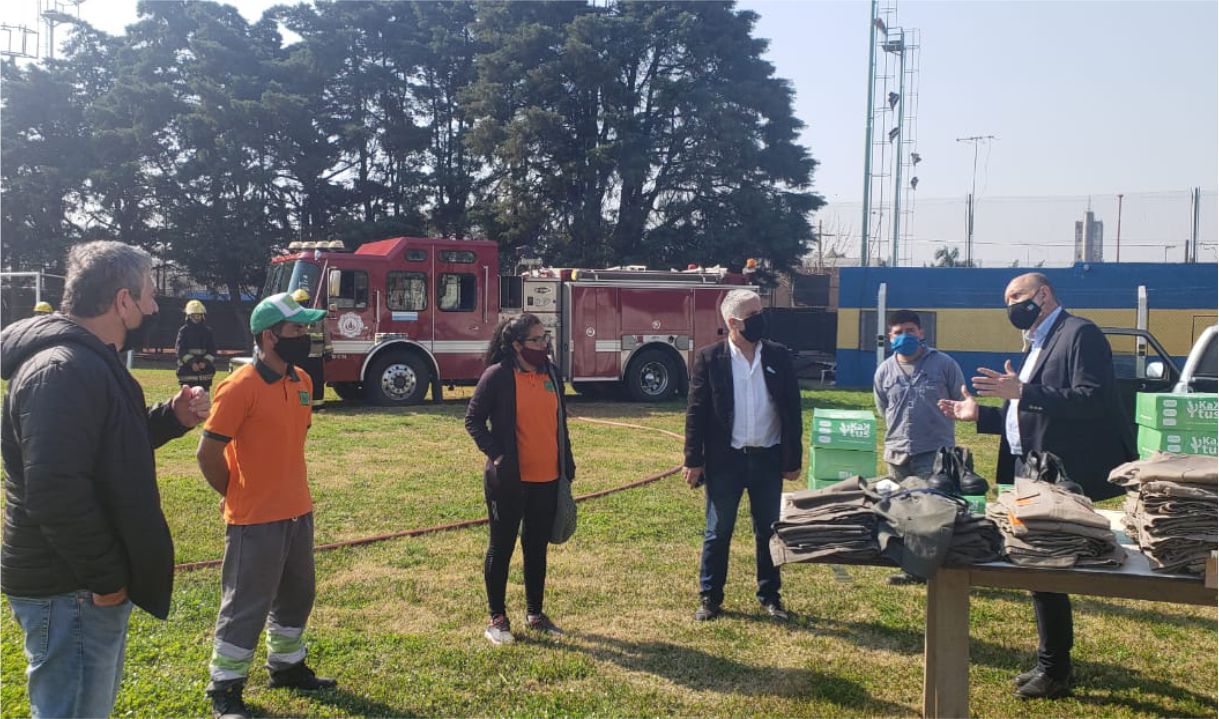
<point x="965" y="410"/>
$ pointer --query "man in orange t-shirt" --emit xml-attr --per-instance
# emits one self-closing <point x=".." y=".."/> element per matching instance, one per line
<point x="253" y="453"/>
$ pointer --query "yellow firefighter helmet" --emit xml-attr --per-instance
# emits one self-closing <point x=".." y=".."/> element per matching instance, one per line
<point x="43" y="308"/>
<point x="301" y="296"/>
<point x="195" y="307"/>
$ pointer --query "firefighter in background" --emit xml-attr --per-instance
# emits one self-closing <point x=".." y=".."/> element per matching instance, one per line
<point x="43" y="308"/>
<point x="317" y="347"/>
<point x="196" y="348"/>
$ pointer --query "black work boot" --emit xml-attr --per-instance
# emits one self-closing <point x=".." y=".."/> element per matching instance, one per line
<point x="707" y="610"/>
<point x="944" y="473"/>
<point x="970" y="481"/>
<point x="299" y="676"/>
<point x="227" y="703"/>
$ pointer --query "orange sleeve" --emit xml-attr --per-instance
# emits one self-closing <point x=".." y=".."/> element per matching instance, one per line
<point x="230" y="407"/>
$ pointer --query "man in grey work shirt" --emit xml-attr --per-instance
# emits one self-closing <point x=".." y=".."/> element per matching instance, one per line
<point x="908" y="387"/>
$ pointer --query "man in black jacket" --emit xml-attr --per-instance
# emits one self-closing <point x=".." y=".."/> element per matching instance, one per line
<point x="1063" y="400"/>
<point x="743" y="434"/>
<point x="84" y="536"/>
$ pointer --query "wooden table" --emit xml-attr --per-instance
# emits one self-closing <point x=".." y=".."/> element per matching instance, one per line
<point x="946" y="652"/>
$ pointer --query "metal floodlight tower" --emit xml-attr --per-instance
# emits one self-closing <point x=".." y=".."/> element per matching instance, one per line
<point x="888" y="152"/>
<point x="57" y="12"/>
<point x="16" y="41"/>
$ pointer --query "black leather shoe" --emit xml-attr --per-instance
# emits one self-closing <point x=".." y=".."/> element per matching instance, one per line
<point x="776" y="611"/>
<point x="707" y="610"/>
<point x="1043" y="686"/>
<point x="300" y="676"/>
<point x="228" y="704"/>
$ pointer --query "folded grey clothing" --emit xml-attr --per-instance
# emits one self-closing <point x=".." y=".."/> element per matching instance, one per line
<point x="848" y="492"/>
<point x="1033" y="500"/>
<point x="824" y="513"/>
<point x="916" y="528"/>
<point x="1164" y="489"/>
<point x="1181" y="468"/>
<point x="781" y="553"/>
<point x="1092" y="556"/>
<point x="1037" y="528"/>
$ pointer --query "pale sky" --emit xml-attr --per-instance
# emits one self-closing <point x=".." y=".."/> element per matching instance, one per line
<point x="1088" y="99"/>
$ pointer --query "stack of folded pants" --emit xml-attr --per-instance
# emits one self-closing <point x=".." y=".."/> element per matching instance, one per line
<point x="917" y="528"/>
<point x="1045" y="525"/>
<point x="922" y="529"/>
<point x="834" y="523"/>
<point x="1171" y="509"/>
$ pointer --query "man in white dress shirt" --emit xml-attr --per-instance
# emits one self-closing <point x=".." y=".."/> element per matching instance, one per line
<point x="743" y="434"/>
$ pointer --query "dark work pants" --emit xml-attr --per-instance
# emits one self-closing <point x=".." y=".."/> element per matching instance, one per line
<point x="532" y="514"/>
<point x="1055" y="631"/>
<point x="1055" y="625"/>
<point x="760" y="474"/>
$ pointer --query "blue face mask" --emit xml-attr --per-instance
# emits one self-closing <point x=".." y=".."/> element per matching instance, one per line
<point x="905" y="344"/>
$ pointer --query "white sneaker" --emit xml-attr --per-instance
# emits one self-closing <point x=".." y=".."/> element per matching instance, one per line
<point x="498" y="631"/>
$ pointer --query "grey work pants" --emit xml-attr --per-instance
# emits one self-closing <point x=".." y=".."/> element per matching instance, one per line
<point x="267" y="578"/>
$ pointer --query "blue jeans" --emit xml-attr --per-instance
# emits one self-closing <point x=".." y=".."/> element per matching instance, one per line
<point x="74" y="650"/>
<point x="760" y="474"/>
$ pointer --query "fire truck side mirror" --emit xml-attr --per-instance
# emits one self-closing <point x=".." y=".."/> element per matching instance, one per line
<point x="334" y="284"/>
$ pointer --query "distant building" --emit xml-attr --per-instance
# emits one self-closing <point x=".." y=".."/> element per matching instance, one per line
<point x="1089" y="239"/>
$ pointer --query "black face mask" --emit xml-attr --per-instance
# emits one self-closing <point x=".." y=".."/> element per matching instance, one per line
<point x="293" y="350"/>
<point x="1022" y="315"/>
<point x="135" y="337"/>
<point x="755" y="328"/>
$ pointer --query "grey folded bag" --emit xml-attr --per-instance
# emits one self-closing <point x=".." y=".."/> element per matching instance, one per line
<point x="564" y="514"/>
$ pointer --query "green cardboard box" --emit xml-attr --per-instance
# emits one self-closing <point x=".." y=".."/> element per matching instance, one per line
<point x="838" y="464"/>
<point x="844" y="429"/>
<point x="1177" y="411"/>
<point x="1178" y="441"/>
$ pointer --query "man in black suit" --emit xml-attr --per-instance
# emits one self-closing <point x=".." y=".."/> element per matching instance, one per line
<point x="1063" y="400"/>
<point x="743" y="434"/>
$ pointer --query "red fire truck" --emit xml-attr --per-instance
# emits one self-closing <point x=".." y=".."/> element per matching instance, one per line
<point x="408" y="313"/>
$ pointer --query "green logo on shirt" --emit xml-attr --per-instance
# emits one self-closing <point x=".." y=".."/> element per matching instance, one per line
<point x="549" y="386"/>
<point x="304" y="397"/>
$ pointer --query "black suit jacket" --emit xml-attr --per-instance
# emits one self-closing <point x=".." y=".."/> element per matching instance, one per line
<point x="709" y="412"/>
<point x="1069" y="407"/>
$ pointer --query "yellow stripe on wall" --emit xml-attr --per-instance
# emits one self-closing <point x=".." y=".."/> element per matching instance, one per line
<point x="988" y="330"/>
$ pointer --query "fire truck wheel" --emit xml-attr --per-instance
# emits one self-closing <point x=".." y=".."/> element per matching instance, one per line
<point x="349" y="391"/>
<point x="397" y="378"/>
<point x="651" y="377"/>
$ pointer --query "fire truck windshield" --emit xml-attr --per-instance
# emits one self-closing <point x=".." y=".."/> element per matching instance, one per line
<point x="290" y="276"/>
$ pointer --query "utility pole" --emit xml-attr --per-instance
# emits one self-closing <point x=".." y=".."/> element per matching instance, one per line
<point x="973" y="188"/>
<point x="1119" y="227"/>
<point x="867" y="149"/>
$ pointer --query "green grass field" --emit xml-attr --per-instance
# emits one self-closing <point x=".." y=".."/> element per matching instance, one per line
<point x="400" y="623"/>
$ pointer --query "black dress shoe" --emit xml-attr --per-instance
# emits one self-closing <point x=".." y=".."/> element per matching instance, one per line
<point x="1023" y="677"/>
<point x="776" y="611"/>
<point x="300" y="676"/>
<point x="1043" y="686"/>
<point x="707" y="610"/>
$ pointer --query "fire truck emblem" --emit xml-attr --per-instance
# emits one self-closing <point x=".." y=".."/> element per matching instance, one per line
<point x="590" y="332"/>
<point x="655" y="324"/>
<point x="351" y="325"/>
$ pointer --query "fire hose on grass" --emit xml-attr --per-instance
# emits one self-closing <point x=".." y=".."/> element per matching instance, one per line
<point x="420" y="531"/>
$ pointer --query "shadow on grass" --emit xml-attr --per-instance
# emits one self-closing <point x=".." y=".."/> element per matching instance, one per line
<point x="357" y="705"/>
<point x="702" y="671"/>
<point x="1097" y="683"/>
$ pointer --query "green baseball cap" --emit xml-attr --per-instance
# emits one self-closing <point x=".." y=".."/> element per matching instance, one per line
<point x="281" y="308"/>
